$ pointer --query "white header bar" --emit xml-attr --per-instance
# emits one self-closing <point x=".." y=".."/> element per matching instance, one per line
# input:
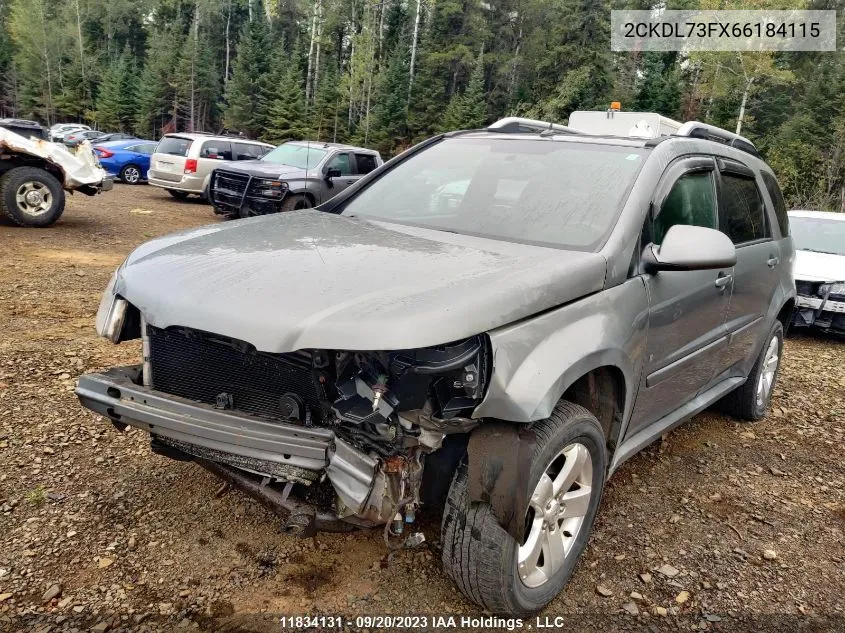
<point x="723" y="30"/>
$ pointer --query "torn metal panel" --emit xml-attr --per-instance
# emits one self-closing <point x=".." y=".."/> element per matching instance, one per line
<point x="79" y="167"/>
<point x="499" y="472"/>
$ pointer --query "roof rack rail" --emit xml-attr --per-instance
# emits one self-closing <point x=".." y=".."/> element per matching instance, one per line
<point x="694" y="129"/>
<point x="519" y="125"/>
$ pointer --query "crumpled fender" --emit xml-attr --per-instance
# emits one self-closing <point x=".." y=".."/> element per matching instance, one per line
<point x="499" y="457"/>
<point x="79" y="167"/>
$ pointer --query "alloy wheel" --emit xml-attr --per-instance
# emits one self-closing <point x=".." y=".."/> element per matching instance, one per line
<point x="767" y="375"/>
<point x="34" y="198"/>
<point x="131" y="175"/>
<point x="556" y="512"/>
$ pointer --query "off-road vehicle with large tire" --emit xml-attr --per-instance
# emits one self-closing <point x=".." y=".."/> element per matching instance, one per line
<point x="35" y="173"/>
<point x="490" y="323"/>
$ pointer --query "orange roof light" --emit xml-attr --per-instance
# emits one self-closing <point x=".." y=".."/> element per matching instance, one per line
<point x="616" y="106"/>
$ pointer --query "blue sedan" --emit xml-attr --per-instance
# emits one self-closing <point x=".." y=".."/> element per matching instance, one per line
<point x="128" y="159"/>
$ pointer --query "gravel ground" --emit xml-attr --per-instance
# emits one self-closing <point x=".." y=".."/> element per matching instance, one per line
<point x="720" y="526"/>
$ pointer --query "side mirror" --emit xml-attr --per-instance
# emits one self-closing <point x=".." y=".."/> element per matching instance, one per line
<point x="690" y="248"/>
<point x="332" y="173"/>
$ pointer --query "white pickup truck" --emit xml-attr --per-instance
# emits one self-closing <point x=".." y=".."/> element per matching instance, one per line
<point x="35" y="173"/>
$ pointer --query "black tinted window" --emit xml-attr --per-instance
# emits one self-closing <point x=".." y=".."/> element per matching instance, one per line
<point x="248" y="151"/>
<point x="219" y="150"/>
<point x="366" y="163"/>
<point x="777" y="199"/>
<point x="691" y="201"/>
<point x="174" y="145"/>
<point x="741" y="213"/>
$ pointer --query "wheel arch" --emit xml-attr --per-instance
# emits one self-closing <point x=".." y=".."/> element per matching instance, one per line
<point x="603" y="392"/>
<point x="785" y="313"/>
<point x="301" y="191"/>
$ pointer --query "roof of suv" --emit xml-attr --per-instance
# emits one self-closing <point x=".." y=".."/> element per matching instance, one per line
<point x="196" y="136"/>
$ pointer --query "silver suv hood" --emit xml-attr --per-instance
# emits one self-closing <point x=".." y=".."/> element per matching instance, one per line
<point x="309" y="279"/>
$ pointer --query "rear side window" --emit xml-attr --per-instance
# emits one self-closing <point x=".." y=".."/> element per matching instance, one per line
<point x="741" y="213"/>
<point x="218" y="150"/>
<point x="777" y="199"/>
<point x="692" y="201"/>
<point x="366" y="163"/>
<point x="248" y="151"/>
<point x="174" y="145"/>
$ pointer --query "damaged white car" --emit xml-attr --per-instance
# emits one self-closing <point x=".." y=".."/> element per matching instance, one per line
<point x="35" y="173"/>
<point x="819" y="271"/>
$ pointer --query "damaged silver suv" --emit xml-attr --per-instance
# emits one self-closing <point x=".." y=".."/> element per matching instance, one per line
<point x="490" y="323"/>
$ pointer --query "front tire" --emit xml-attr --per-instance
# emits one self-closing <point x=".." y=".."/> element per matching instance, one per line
<point x="130" y="174"/>
<point x="750" y="402"/>
<point x="30" y="196"/>
<point x="567" y="476"/>
<point x="295" y="202"/>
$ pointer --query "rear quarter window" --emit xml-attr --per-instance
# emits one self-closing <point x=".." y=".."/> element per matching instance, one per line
<point x="775" y="194"/>
<point x="174" y="145"/>
<point x="742" y="214"/>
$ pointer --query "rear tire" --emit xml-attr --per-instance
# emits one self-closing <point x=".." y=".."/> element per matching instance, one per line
<point x="179" y="195"/>
<point x="30" y="196"/>
<point x="487" y="564"/>
<point x="750" y="402"/>
<point x="130" y="174"/>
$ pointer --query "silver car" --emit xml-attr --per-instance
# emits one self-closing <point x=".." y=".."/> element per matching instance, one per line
<point x="183" y="162"/>
<point x="490" y="323"/>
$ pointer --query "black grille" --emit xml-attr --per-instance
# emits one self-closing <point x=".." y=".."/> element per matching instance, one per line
<point x="202" y="367"/>
<point x="227" y="189"/>
<point x="231" y="183"/>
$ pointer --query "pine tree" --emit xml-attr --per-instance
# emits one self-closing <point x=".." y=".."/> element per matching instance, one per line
<point x="286" y="114"/>
<point x="247" y="93"/>
<point x="389" y="124"/>
<point x="129" y="80"/>
<point x="328" y="114"/>
<point x="110" y="96"/>
<point x="468" y="111"/>
<point x="659" y="89"/>
<point x="155" y="89"/>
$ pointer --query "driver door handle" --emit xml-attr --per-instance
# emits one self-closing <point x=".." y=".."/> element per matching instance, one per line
<point x="722" y="281"/>
<point x="773" y="261"/>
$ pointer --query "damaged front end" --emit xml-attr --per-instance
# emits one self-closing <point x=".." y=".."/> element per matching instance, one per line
<point x="80" y="170"/>
<point x="820" y="305"/>
<point x="324" y="435"/>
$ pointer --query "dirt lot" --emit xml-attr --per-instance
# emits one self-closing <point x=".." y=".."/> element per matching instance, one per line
<point x="750" y="516"/>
